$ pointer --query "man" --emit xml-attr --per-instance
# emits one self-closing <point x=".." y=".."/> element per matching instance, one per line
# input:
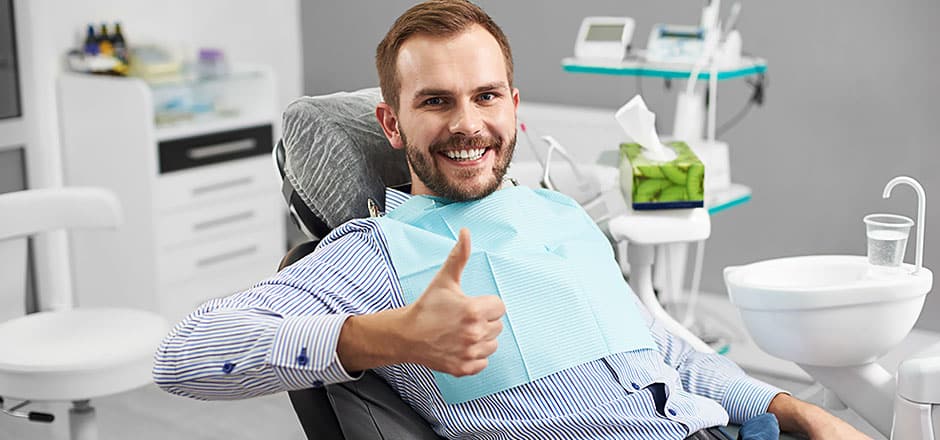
<point x="445" y="70"/>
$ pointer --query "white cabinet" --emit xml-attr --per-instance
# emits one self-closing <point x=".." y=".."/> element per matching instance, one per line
<point x="202" y="205"/>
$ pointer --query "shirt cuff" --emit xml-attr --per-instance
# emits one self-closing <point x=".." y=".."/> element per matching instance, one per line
<point x="747" y="397"/>
<point x="304" y="351"/>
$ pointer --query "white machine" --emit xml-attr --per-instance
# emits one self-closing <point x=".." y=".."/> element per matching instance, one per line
<point x="670" y="43"/>
<point x="604" y="38"/>
<point x="687" y="44"/>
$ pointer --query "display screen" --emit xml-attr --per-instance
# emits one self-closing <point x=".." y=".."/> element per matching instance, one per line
<point x="604" y="32"/>
<point x="9" y="84"/>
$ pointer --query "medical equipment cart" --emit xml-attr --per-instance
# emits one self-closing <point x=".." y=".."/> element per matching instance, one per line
<point x="190" y="162"/>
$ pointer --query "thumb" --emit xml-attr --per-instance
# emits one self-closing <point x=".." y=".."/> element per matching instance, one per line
<point x="457" y="259"/>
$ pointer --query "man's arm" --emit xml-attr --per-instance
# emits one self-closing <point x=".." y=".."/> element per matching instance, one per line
<point x="282" y="333"/>
<point x="794" y="415"/>
<point x="332" y="314"/>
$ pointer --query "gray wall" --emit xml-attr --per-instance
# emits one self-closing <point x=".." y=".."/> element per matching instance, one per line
<point x="850" y="104"/>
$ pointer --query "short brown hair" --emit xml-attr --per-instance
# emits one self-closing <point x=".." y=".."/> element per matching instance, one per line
<point x="440" y="18"/>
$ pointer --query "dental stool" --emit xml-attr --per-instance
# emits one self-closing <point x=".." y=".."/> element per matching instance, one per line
<point x="70" y="355"/>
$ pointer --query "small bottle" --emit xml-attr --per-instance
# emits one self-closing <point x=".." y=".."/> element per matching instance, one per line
<point x="118" y="43"/>
<point x="91" y="42"/>
<point x="104" y="41"/>
<point x="211" y="64"/>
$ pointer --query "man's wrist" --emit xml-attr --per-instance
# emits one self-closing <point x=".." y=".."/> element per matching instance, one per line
<point x="370" y="341"/>
<point x="794" y="415"/>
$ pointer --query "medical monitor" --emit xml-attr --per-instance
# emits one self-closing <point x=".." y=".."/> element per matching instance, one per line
<point x="604" y="38"/>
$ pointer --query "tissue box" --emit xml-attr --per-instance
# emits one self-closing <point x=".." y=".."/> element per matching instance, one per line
<point x="679" y="183"/>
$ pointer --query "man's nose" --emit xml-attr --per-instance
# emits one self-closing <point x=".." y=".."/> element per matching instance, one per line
<point x="467" y="120"/>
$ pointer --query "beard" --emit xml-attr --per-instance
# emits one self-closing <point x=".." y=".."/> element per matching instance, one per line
<point x="425" y="167"/>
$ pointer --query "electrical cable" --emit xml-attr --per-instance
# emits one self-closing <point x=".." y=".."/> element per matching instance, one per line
<point x="757" y="97"/>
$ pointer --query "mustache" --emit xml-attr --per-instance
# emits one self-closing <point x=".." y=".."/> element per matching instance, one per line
<point x="461" y="142"/>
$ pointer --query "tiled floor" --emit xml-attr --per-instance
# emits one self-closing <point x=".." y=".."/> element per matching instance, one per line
<point x="151" y="414"/>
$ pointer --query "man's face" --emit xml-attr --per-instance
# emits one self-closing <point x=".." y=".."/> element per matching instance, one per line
<point x="457" y="114"/>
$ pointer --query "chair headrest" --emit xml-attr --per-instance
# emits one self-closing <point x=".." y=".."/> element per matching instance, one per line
<point x="336" y="157"/>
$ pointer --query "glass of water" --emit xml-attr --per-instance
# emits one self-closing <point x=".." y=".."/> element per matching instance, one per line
<point x="887" y="238"/>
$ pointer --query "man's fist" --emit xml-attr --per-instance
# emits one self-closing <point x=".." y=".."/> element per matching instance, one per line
<point x="449" y="331"/>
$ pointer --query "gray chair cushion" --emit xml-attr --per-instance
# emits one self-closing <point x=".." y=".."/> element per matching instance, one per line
<point x="337" y="157"/>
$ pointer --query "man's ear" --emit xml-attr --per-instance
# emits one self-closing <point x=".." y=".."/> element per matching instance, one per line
<point x="515" y="98"/>
<point x="389" y="123"/>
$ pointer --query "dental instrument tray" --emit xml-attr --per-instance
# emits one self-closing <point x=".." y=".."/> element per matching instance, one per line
<point x="676" y="184"/>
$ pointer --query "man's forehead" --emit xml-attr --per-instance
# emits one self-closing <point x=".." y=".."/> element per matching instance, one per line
<point x="465" y="61"/>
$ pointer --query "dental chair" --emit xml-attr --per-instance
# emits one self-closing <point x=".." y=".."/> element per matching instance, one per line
<point x="66" y="354"/>
<point x="335" y="164"/>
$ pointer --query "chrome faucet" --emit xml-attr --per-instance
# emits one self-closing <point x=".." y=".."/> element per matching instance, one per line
<point x="921" y="207"/>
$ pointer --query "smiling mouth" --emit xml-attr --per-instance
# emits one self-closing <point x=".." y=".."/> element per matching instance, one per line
<point x="467" y="155"/>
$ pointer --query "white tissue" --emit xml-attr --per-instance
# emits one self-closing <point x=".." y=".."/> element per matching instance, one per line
<point x="640" y="125"/>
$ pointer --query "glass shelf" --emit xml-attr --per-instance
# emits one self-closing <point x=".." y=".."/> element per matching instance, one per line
<point x="191" y="80"/>
<point x="734" y="195"/>
<point x="638" y="67"/>
<point x="187" y="100"/>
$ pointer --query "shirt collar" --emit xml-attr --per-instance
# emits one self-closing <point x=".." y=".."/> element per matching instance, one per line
<point x="394" y="198"/>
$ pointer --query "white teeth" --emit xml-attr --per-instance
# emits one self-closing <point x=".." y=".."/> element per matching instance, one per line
<point x="461" y="155"/>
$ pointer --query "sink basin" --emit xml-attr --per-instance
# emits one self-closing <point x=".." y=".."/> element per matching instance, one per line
<point x="827" y="310"/>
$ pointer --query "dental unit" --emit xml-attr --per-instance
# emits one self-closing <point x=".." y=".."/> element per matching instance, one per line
<point x="835" y="315"/>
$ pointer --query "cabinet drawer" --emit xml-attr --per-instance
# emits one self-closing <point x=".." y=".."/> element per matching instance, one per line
<point x="222" y="256"/>
<point x="217" y="182"/>
<point x="202" y="224"/>
<point x="198" y="151"/>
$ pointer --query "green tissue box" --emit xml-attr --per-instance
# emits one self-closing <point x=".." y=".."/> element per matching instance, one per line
<point x="679" y="183"/>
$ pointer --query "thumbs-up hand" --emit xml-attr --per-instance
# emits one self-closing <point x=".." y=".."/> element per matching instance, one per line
<point x="449" y="331"/>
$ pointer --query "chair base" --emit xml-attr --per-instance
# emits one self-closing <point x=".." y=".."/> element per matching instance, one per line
<point x="82" y="423"/>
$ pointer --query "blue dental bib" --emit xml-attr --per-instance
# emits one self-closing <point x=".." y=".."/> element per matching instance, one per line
<point x="566" y="300"/>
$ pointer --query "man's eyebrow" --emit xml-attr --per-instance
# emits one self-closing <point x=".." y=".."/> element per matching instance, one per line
<point x="496" y="85"/>
<point x="442" y="92"/>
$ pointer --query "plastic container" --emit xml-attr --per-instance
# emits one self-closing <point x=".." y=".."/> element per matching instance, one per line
<point x="887" y="238"/>
<point x="211" y="64"/>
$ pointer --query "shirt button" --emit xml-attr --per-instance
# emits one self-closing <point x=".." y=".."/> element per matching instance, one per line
<point x="672" y="412"/>
<point x="317" y="383"/>
<point x="228" y="367"/>
<point x="635" y="385"/>
<point x="302" y="360"/>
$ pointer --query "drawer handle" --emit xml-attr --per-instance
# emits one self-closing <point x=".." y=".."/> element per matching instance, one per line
<point x="223" y="220"/>
<point x="215" y="259"/>
<point x="223" y="185"/>
<point x="208" y="151"/>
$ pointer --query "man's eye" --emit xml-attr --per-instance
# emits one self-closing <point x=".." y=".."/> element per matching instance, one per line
<point x="488" y="96"/>
<point x="433" y="101"/>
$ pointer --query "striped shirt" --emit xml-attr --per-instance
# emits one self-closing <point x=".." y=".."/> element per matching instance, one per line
<point x="282" y="334"/>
